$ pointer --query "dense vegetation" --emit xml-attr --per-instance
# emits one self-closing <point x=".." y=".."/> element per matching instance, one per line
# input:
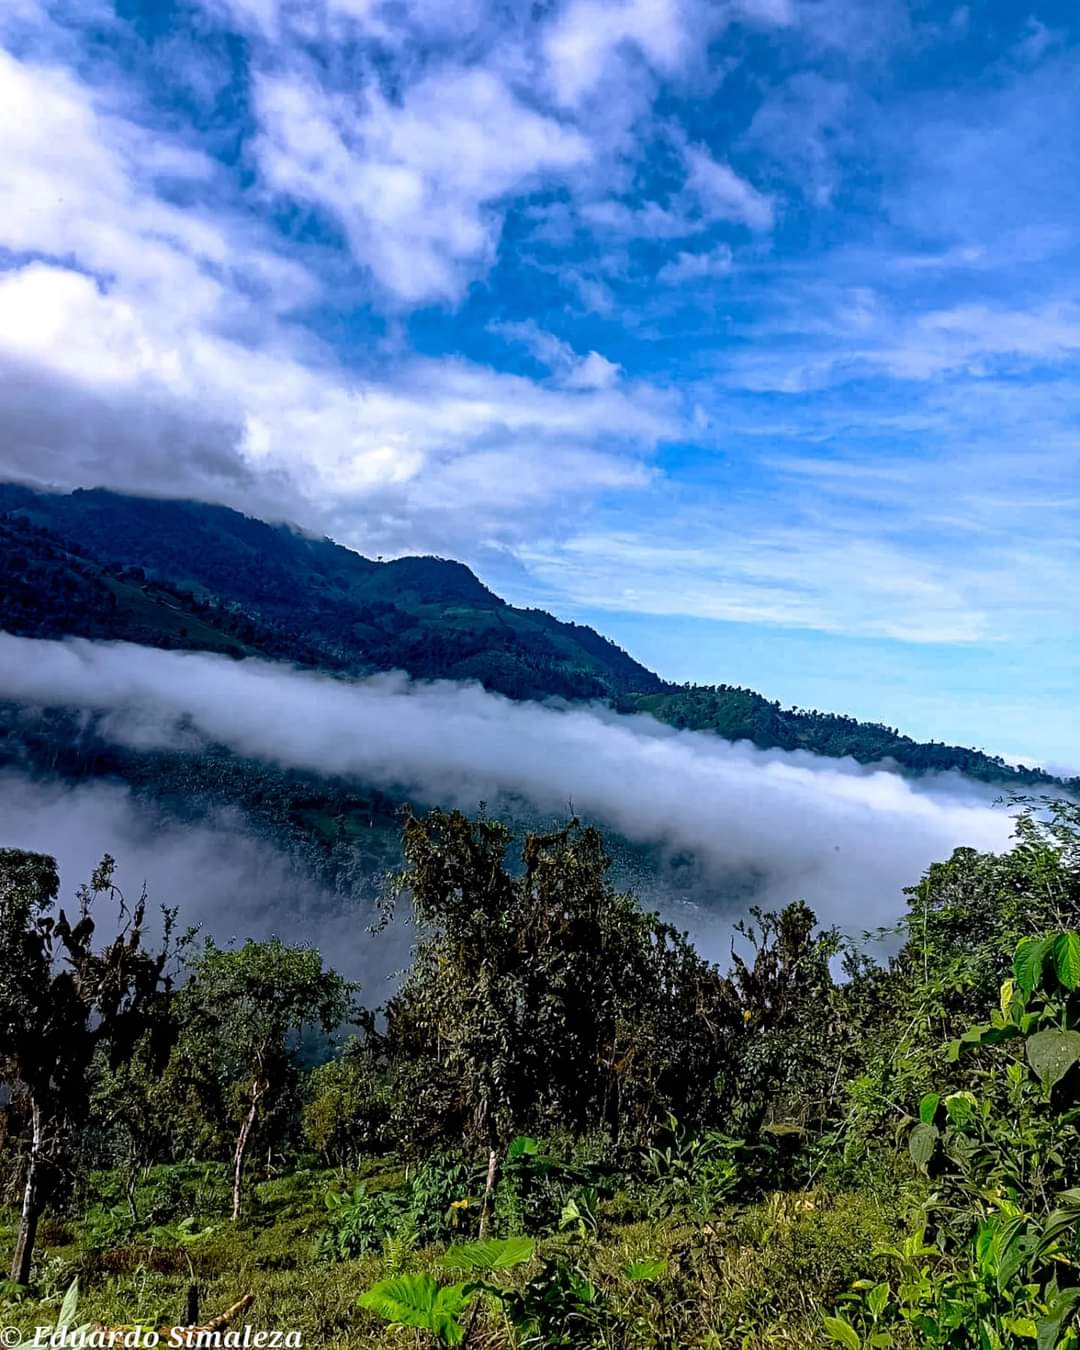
<point x="187" y="575"/>
<point x="181" y="574"/>
<point x="568" y="1129"/>
<point x="741" y="715"/>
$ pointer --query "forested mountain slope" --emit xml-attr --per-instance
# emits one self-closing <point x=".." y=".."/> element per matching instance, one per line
<point x="185" y="574"/>
<point x="740" y="714"/>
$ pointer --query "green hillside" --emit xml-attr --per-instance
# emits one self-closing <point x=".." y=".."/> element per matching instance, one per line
<point x="180" y="574"/>
<point x="742" y="715"/>
<point x="184" y="574"/>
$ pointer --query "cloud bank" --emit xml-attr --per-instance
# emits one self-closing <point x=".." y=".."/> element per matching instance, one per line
<point x="844" y="838"/>
<point x="220" y="875"/>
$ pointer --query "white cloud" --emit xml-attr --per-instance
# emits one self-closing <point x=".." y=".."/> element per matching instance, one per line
<point x="591" y="371"/>
<point x="416" y="184"/>
<point x="399" y="444"/>
<point x="151" y="347"/>
<point x="852" y="839"/>
<point x="722" y="194"/>
<point x="685" y="266"/>
<point x="247" y="886"/>
<point x="587" y="44"/>
<point x="741" y="571"/>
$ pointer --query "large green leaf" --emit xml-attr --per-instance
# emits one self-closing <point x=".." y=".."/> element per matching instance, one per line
<point x="1028" y="962"/>
<point x="841" y="1330"/>
<point x="1066" y="951"/>
<point x="928" y="1107"/>
<point x="490" y="1254"/>
<point x="922" y="1142"/>
<point x="70" y="1305"/>
<point x="1066" y="1215"/>
<point x="417" y="1301"/>
<point x="961" y="1107"/>
<point x="1052" y="1053"/>
<point x="1049" y="1328"/>
<point x="645" y="1270"/>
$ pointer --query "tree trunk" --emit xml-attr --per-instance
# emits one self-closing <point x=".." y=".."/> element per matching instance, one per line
<point x="485" y="1208"/>
<point x="191" y="1307"/>
<point x="241" y="1146"/>
<point x="33" y="1200"/>
<point x="129" y="1191"/>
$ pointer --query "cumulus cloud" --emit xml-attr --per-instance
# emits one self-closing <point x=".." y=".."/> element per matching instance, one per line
<point x="149" y="330"/>
<point x="421" y="218"/>
<point x="843" y="838"/>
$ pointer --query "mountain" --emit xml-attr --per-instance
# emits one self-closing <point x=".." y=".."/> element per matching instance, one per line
<point x="185" y="574"/>
<point x="99" y="564"/>
<point x="741" y="715"/>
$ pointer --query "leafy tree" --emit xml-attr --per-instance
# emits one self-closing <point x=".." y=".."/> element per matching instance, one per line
<point x="790" y="1053"/>
<point x="348" y="1108"/>
<point x="132" y="1121"/>
<point x="543" y="996"/>
<point x="241" y="1015"/>
<point x="62" y="1005"/>
<point x="967" y="913"/>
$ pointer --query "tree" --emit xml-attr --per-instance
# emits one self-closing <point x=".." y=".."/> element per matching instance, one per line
<point x="63" y="1006"/>
<point x="241" y="1016"/>
<point x="790" y="1055"/>
<point x="967" y="913"/>
<point x="347" y="1112"/>
<point x="542" y="997"/>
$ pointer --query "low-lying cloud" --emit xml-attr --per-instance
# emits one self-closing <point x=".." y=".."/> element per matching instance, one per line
<point x="223" y="878"/>
<point x="845" y="838"/>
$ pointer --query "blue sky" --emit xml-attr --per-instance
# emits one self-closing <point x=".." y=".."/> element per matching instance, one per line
<point x="746" y="330"/>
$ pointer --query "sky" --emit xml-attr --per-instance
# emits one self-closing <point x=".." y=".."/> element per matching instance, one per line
<point x="747" y="331"/>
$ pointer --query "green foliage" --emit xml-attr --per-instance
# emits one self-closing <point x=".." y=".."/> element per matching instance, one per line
<point x="492" y="1254"/>
<point x="67" y="1007"/>
<point x="741" y="715"/>
<point x="240" y="1016"/>
<point x="692" y="1172"/>
<point x="349" y="1104"/>
<point x="184" y="1236"/>
<point x="417" y="1301"/>
<point x="1002" y="1148"/>
<point x="65" y="1323"/>
<point x="545" y="997"/>
<point x="905" y="1172"/>
<point x="360" y="1221"/>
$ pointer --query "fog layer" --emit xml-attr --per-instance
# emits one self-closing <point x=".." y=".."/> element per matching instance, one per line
<point x="844" y="838"/>
<point x="221" y="877"/>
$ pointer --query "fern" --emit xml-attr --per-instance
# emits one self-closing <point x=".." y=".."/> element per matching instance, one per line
<point x="396" y="1247"/>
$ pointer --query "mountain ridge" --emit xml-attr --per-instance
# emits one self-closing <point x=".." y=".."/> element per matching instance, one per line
<point x="175" y="573"/>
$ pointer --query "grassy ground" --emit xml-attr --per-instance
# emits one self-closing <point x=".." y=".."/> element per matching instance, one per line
<point x="761" y="1275"/>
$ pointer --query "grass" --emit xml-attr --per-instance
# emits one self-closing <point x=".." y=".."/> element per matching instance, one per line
<point x="757" y="1276"/>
